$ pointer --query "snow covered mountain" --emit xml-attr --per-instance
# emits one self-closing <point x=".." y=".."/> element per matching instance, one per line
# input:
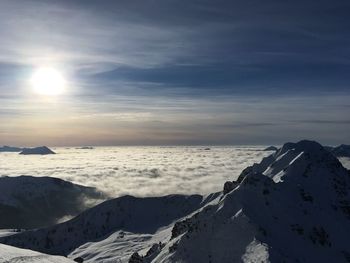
<point x="127" y="213"/>
<point x="31" y="202"/>
<point x="43" y="150"/>
<point x="292" y="207"/>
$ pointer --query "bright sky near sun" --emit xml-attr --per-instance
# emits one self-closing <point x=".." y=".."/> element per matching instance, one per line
<point x="167" y="72"/>
<point x="48" y="81"/>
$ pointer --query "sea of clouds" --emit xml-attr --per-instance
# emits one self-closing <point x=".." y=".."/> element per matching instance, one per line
<point x="139" y="171"/>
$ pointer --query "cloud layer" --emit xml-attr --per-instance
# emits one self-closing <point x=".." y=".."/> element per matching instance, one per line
<point x="140" y="171"/>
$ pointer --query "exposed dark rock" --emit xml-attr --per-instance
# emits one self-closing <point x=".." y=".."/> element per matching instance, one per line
<point x="154" y="250"/>
<point x="181" y="227"/>
<point x="271" y="148"/>
<point x="79" y="260"/>
<point x="229" y="186"/>
<point x="136" y="258"/>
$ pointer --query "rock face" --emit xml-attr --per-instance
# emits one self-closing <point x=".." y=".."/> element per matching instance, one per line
<point x="31" y="202"/>
<point x="150" y="255"/>
<point x="43" y="150"/>
<point x="229" y="186"/>
<point x="136" y="258"/>
<point x="10" y="149"/>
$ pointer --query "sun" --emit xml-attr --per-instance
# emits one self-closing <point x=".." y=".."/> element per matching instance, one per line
<point x="48" y="81"/>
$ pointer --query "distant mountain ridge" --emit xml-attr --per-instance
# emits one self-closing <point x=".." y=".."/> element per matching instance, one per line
<point x="42" y="150"/>
<point x="6" y="148"/>
<point x="342" y="150"/>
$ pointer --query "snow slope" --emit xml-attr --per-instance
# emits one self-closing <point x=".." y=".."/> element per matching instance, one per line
<point x="127" y="213"/>
<point x="31" y="202"/>
<point x="10" y="254"/>
<point x="120" y="246"/>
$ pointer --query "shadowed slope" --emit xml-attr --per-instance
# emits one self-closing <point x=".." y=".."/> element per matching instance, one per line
<point x="128" y="213"/>
<point x="31" y="202"/>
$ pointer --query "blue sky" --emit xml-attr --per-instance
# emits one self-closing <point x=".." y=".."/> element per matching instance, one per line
<point x="176" y="72"/>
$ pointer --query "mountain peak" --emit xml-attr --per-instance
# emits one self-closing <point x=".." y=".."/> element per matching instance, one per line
<point x="302" y="146"/>
<point x="293" y="196"/>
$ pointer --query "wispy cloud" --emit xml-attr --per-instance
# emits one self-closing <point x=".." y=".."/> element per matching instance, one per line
<point x="171" y="72"/>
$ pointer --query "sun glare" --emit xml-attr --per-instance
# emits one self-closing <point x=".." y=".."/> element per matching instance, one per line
<point x="48" y="81"/>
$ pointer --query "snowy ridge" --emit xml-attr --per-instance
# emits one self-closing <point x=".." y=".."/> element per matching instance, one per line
<point x="304" y="216"/>
<point x="127" y="213"/>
